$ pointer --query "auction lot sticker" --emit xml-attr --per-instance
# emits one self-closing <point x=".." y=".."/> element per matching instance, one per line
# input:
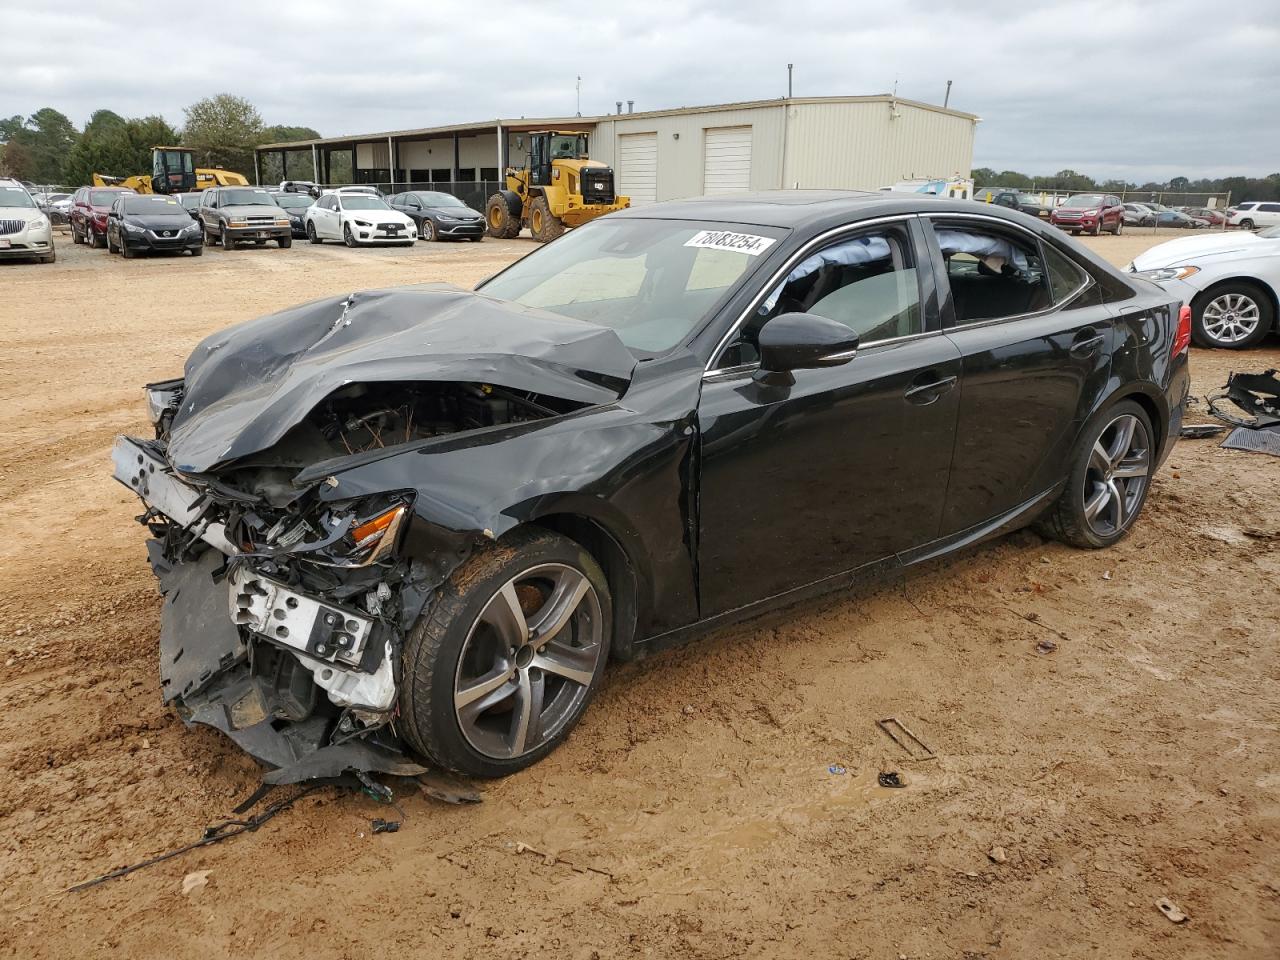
<point x="747" y="243"/>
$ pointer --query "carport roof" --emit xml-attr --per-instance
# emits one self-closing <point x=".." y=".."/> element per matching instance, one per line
<point x="572" y="123"/>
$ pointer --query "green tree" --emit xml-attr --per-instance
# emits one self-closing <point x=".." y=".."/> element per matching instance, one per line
<point x="117" y="149"/>
<point x="43" y="141"/>
<point x="983" y="177"/>
<point x="1011" y="178"/>
<point x="223" y="130"/>
<point x="1070" y="180"/>
<point x="284" y="134"/>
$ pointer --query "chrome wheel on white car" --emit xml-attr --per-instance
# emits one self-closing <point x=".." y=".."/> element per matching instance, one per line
<point x="1231" y="317"/>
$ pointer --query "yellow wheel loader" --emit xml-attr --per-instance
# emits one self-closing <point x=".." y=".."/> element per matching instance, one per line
<point x="557" y="187"/>
<point x="173" y="170"/>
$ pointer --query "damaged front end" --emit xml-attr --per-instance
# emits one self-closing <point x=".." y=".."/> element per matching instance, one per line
<point x="286" y="600"/>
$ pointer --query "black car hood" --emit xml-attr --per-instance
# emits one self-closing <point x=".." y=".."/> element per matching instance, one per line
<point x="171" y="222"/>
<point x="246" y="386"/>
<point x="460" y="213"/>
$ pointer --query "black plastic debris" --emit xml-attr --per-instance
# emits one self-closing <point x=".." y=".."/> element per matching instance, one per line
<point x="1201" y="431"/>
<point x="1255" y="441"/>
<point x="891" y="779"/>
<point x="1257" y="394"/>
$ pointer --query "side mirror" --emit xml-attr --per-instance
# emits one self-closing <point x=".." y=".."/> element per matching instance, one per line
<point x="802" y="341"/>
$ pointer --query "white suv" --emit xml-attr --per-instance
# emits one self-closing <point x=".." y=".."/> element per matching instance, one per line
<point x="24" y="228"/>
<point x="1250" y="215"/>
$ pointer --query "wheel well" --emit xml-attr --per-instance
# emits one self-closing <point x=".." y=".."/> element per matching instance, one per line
<point x="1257" y="284"/>
<point x="618" y="570"/>
<point x="1153" y="414"/>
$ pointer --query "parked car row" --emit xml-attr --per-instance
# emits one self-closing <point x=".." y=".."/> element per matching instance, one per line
<point x="128" y="223"/>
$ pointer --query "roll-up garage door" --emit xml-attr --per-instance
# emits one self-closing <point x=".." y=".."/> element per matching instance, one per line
<point x="726" y="165"/>
<point x="638" y="167"/>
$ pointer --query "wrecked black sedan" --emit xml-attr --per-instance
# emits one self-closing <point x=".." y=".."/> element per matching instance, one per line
<point x="412" y="525"/>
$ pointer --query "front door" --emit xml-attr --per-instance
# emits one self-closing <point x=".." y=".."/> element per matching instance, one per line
<point x="1036" y="342"/>
<point x="848" y="465"/>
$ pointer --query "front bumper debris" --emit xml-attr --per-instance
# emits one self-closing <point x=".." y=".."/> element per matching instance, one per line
<point x="304" y="685"/>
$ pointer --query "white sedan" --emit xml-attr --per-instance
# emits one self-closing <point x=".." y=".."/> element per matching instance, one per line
<point x="357" y="218"/>
<point x="1231" y="280"/>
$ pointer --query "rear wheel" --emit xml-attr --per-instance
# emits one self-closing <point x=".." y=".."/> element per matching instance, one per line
<point x="1231" y="316"/>
<point x="1119" y="228"/>
<point x="543" y="224"/>
<point x="1110" y="475"/>
<point x="1246" y="224"/>
<point x="502" y="223"/>
<point x="505" y="662"/>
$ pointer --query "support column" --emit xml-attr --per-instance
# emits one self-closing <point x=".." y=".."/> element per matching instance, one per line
<point x="502" y="150"/>
<point x="456" y="155"/>
<point x="391" y="161"/>
<point x="315" y="165"/>
<point x="257" y="174"/>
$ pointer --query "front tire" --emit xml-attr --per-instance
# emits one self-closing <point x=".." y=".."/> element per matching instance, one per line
<point x="125" y="250"/>
<point x="312" y="237"/>
<point x="348" y="237"/>
<point x="502" y="223"/>
<point x="507" y="658"/>
<point x="284" y="243"/>
<point x="1231" y="316"/>
<point x="427" y="230"/>
<point x="1097" y="228"/>
<point x="228" y="241"/>
<point x="1110" y="476"/>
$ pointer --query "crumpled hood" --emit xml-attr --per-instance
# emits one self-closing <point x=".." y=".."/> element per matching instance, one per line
<point x="246" y="386"/>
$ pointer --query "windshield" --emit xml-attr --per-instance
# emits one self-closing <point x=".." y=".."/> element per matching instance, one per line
<point x="294" y="201"/>
<point x="154" y="206"/>
<point x="1084" y="200"/>
<point x="15" y="197"/>
<point x="567" y="147"/>
<point x="653" y="282"/>
<point x="1028" y="199"/>
<point x="438" y="200"/>
<point x="356" y="201"/>
<point x="246" y="198"/>
<point x="104" y="198"/>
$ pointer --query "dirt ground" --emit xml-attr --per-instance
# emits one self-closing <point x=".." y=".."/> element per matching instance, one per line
<point x="719" y="800"/>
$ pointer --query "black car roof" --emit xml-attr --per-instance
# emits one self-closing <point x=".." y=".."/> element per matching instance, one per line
<point x="804" y="208"/>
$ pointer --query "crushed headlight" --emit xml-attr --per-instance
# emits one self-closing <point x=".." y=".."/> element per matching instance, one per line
<point x="1168" y="273"/>
<point x="163" y="399"/>
<point x="374" y="528"/>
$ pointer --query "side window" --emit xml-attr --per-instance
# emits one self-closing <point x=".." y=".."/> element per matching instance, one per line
<point x="1065" y="278"/>
<point x="1269" y="207"/>
<point x="868" y="282"/>
<point x="992" y="276"/>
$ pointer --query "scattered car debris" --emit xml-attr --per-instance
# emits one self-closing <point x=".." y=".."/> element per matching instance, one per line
<point x="384" y="826"/>
<point x="997" y="855"/>
<point x="1200" y="431"/>
<point x="892" y="779"/>
<point x="1170" y="910"/>
<point x="908" y="741"/>
<point x="550" y="860"/>
<point x="1254" y="441"/>
<point x="440" y="787"/>
<point x="1257" y="394"/>
<point x="836" y="770"/>
<point x="215" y="833"/>
<point x="1046" y="646"/>
<point x="195" y="881"/>
<point x="1106" y="574"/>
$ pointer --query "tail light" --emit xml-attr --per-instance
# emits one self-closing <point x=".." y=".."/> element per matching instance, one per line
<point x="1182" y="339"/>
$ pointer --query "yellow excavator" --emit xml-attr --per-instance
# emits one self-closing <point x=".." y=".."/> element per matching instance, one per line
<point x="173" y="170"/>
<point x="557" y="187"/>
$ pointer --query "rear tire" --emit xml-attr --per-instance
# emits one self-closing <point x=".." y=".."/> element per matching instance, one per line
<point x="458" y="643"/>
<point x="1246" y="224"/>
<point x="543" y="225"/>
<point x="1099" y="506"/>
<point x="1119" y="228"/>
<point x="502" y="223"/>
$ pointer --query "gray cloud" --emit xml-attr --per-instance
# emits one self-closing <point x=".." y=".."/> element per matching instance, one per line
<point x="1138" y="89"/>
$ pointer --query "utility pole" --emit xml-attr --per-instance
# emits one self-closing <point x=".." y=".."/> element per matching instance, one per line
<point x="947" y="98"/>
<point x="579" y="96"/>
<point x="789" y="68"/>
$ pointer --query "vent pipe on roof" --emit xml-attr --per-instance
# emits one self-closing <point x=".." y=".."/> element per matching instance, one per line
<point x="631" y="106"/>
<point x="619" y="107"/>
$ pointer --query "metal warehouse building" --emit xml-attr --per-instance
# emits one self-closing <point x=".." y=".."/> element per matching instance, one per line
<point x="851" y="142"/>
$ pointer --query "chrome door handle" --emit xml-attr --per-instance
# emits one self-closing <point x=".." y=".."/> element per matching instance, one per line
<point x="929" y="392"/>
<point x="1082" y="348"/>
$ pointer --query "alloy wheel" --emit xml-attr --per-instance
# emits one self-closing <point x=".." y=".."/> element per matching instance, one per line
<point x="1231" y="317"/>
<point x="1117" y="475"/>
<point x="528" y="661"/>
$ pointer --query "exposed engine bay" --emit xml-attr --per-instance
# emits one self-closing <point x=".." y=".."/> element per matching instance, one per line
<point x="315" y="598"/>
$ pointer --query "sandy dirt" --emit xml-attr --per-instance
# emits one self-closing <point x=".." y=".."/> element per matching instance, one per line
<point x="695" y="813"/>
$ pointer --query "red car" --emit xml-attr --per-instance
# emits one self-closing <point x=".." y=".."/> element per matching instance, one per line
<point x="89" y="209"/>
<point x="1215" y="217"/>
<point x="1091" y="212"/>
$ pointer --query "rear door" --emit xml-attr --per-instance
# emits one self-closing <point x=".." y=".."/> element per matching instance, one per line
<point x="1036" y="343"/>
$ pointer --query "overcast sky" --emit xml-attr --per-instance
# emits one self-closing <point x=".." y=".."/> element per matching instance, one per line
<point x="1129" y="89"/>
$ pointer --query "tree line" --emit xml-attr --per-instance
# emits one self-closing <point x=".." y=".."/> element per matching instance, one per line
<point x="1240" y="188"/>
<point x="47" y="148"/>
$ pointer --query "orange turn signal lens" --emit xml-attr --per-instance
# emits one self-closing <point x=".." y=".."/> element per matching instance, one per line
<point x="372" y="530"/>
